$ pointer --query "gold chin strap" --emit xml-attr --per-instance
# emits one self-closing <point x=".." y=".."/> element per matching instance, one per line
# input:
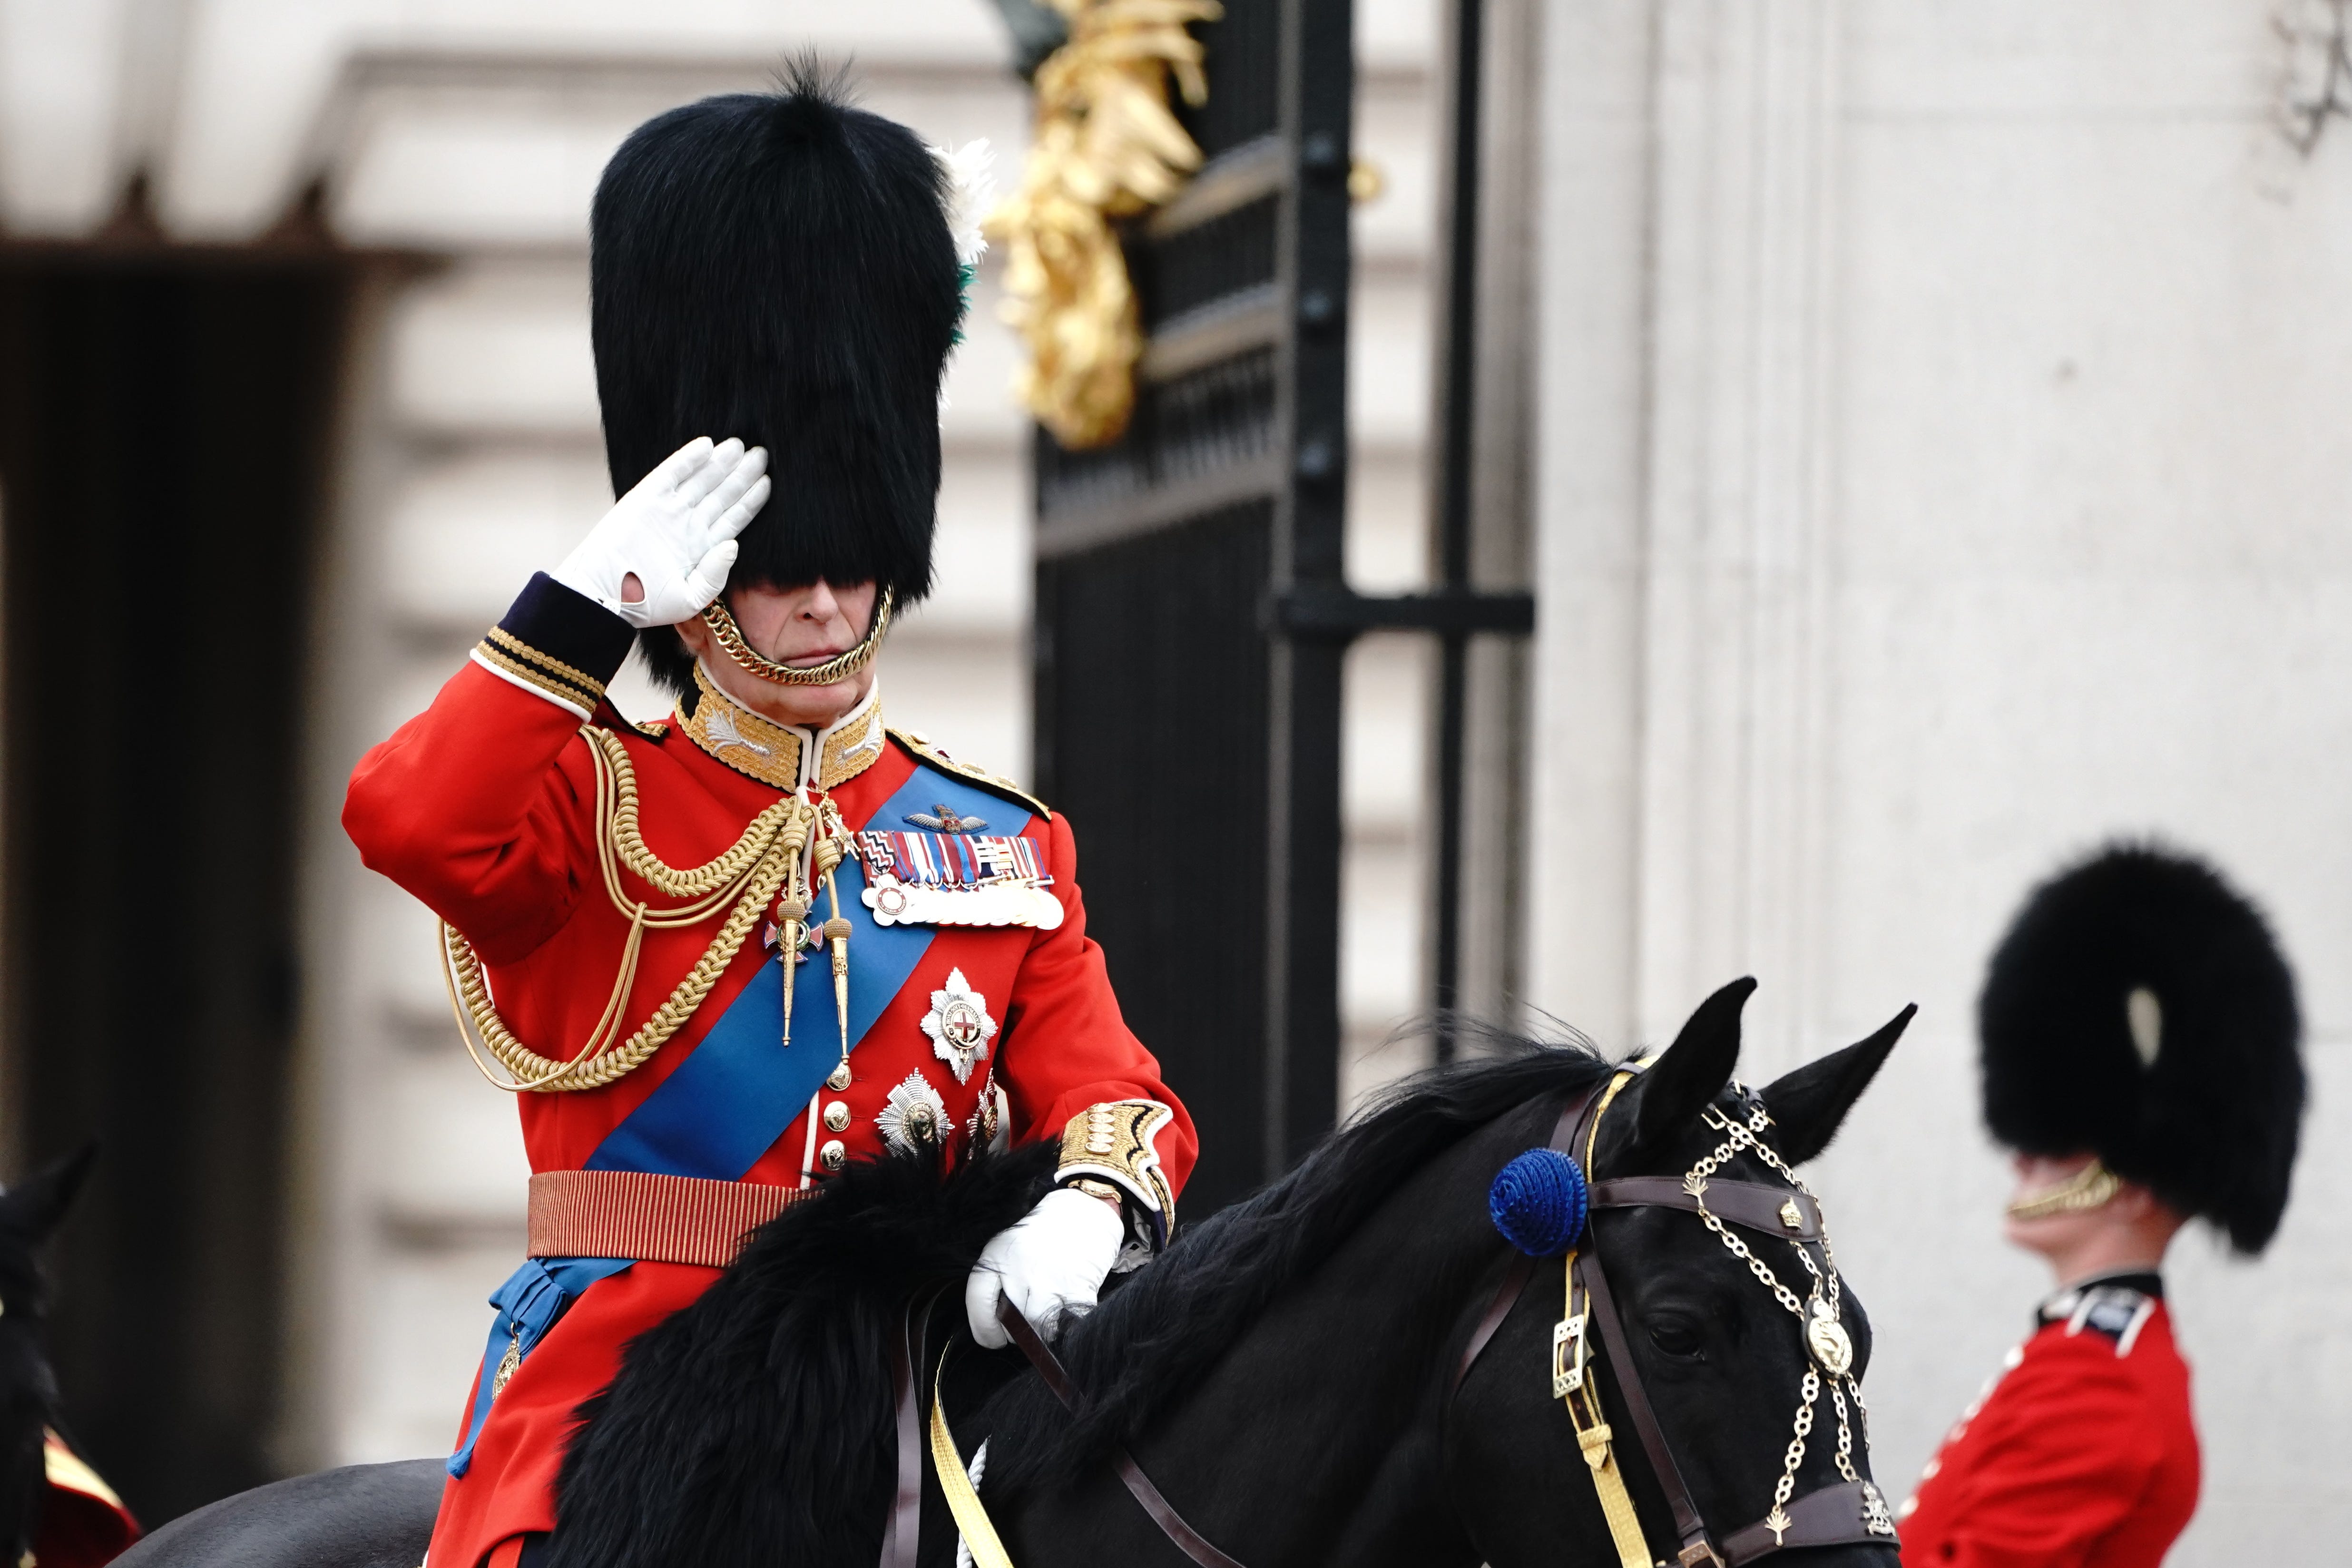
<point x="1573" y="1388"/>
<point x="2087" y="1188"/>
<point x="723" y="627"/>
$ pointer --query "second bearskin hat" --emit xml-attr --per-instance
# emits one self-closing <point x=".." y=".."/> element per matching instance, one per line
<point x="780" y="266"/>
<point x="2138" y="1009"/>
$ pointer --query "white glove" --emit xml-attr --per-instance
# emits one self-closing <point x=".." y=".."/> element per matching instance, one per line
<point x="674" y="532"/>
<point x="1052" y="1262"/>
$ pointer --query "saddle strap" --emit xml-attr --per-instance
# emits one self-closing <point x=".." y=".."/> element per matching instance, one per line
<point x="1188" y="1540"/>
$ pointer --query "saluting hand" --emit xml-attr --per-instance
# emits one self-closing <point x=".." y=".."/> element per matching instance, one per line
<point x="663" y="551"/>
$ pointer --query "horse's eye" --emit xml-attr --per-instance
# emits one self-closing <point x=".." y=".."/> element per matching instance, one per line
<point x="1675" y="1338"/>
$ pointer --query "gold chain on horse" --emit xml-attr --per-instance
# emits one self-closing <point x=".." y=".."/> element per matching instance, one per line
<point x="1828" y="1348"/>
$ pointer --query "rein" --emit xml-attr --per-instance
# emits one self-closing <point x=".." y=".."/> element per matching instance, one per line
<point x="1842" y="1513"/>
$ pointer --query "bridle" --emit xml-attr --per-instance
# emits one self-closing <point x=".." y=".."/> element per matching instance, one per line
<point x="1849" y="1511"/>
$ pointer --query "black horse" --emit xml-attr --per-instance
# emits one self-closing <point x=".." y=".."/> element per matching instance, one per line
<point x="1285" y="1373"/>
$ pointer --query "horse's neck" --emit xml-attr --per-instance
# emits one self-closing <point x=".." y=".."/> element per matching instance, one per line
<point x="1315" y="1437"/>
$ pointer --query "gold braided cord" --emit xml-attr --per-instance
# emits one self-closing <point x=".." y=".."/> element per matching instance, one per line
<point x="729" y="637"/>
<point x="748" y="873"/>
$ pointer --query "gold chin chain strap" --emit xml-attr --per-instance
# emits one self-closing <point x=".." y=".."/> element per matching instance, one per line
<point x="775" y="847"/>
<point x="2087" y="1188"/>
<point x="1828" y="1348"/>
<point x="731" y="636"/>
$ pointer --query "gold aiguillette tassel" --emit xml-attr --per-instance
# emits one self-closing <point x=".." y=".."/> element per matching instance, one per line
<point x="831" y="850"/>
<point x="836" y="936"/>
<point x="793" y="909"/>
<point x="795" y="933"/>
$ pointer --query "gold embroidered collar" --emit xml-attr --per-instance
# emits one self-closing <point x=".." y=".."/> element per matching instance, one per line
<point x="784" y="756"/>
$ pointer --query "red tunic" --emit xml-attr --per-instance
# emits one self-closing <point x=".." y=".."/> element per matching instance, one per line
<point x="2083" y="1455"/>
<point x="483" y="807"/>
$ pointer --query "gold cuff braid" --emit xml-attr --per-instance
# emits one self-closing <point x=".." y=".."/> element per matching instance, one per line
<point x="1116" y="1142"/>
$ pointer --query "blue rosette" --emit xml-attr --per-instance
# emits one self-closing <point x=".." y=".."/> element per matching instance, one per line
<point x="1540" y="1202"/>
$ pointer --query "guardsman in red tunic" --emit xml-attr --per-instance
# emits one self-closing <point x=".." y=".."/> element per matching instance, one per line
<point x="720" y="957"/>
<point x="2141" y="1056"/>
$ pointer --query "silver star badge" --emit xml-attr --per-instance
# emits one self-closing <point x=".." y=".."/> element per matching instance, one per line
<point x="959" y="1025"/>
<point x="914" y="1117"/>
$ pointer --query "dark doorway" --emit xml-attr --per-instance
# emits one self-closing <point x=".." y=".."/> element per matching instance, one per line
<point x="165" y="416"/>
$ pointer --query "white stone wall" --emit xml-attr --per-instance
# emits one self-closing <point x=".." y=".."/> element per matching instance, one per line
<point x="1940" y="473"/>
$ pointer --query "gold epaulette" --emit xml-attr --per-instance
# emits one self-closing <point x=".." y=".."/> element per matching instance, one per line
<point x="917" y="742"/>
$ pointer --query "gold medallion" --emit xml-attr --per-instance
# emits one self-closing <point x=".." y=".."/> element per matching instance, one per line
<point x="1827" y="1338"/>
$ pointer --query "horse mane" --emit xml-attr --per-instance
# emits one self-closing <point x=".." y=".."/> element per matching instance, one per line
<point x="756" y="1425"/>
<point x="1150" y="1340"/>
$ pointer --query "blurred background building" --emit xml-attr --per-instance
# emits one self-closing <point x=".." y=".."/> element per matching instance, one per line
<point x="1916" y="425"/>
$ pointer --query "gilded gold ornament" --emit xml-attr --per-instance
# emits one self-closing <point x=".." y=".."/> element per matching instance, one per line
<point x="1107" y="147"/>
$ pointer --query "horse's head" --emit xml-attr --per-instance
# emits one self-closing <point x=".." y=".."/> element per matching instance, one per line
<point x="29" y="1211"/>
<point x="1730" y="1326"/>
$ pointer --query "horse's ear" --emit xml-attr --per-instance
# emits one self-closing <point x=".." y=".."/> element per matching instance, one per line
<point x="1661" y="1103"/>
<point x="33" y="1207"/>
<point x="1809" y="1104"/>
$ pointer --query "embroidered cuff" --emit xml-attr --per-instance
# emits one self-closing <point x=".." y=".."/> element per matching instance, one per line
<point x="1116" y="1142"/>
<point x="558" y="645"/>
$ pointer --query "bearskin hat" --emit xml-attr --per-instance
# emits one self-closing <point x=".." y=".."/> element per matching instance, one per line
<point x="779" y="267"/>
<point x="2139" y="1009"/>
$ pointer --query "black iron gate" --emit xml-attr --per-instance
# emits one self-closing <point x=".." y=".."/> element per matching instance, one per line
<point x="1191" y="613"/>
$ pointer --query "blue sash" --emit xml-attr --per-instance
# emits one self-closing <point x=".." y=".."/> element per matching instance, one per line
<point x="739" y="1089"/>
<point x="533" y="1298"/>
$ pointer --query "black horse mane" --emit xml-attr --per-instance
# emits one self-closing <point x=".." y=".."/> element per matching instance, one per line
<point x="757" y="1423"/>
<point x="1149" y="1343"/>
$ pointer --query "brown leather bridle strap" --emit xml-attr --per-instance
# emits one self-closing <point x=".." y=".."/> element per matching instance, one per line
<point x="1522" y="1267"/>
<point x="1188" y="1540"/>
<point x="900" y="1536"/>
<point x="1833" y="1516"/>
<point x="1602" y="1306"/>
<point x="1688" y="1525"/>
<point x="1506" y="1296"/>
<point x="1752" y="1205"/>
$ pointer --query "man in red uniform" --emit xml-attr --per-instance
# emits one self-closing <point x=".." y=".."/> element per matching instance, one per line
<point x="2140" y="1039"/>
<point x="719" y="958"/>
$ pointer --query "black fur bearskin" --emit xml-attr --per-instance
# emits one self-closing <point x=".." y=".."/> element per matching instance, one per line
<point x="2210" y="1125"/>
<point x="756" y="1427"/>
<point x="778" y="267"/>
